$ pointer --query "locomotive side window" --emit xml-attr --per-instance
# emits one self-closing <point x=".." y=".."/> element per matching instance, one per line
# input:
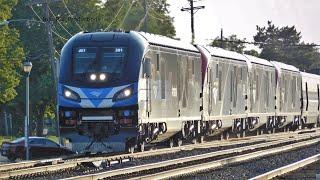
<point x="266" y="82"/>
<point x="163" y="80"/>
<point x="235" y="86"/>
<point x="158" y="62"/>
<point x="147" y="67"/>
<point x="293" y="91"/>
<point x="307" y="96"/>
<point x="220" y="84"/>
<point x="217" y="71"/>
<point x="192" y="67"/>
<point x="318" y="96"/>
<point x="257" y="87"/>
<point x="231" y="84"/>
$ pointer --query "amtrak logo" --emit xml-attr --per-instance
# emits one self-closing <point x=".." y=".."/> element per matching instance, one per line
<point x="95" y="93"/>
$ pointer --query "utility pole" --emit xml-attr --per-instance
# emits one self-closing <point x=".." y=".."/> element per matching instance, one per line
<point x="45" y="4"/>
<point x="146" y="13"/>
<point x="192" y="10"/>
<point x="54" y="63"/>
<point x="221" y="38"/>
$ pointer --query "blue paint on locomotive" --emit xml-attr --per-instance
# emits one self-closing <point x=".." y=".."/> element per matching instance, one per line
<point x="97" y="97"/>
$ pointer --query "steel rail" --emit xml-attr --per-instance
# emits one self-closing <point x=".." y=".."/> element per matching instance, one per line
<point x="288" y="168"/>
<point x="27" y="164"/>
<point x="74" y="163"/>
<point x="230" y="142"/>
<point x="29" y="169"/>
<point x="179" y="171"/>
<point x="227" y="161"/>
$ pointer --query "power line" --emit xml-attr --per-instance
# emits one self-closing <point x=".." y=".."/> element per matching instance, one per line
<point x="65" y="5"/>
<point x="61" y="37"/>
<point x="115" y="16"/>
<point x="263" y="43"/>
<point x="59" y="21"/>
<point x="143" y="18"/>
<point x="146" y="9"/>
<point x="127" y="13"/>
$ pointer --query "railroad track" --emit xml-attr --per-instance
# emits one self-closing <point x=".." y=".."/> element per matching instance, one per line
<point x="232" y="141"/>
<point x="28" y="169"/>
<point x="187" y="165"/>
<point x="282" y="171"/>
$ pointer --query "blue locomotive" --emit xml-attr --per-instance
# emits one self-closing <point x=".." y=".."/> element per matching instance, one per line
<point x="122" y="89"/>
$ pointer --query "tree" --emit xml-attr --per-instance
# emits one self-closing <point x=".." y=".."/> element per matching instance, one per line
<point x="284" y="44"/>
<point x="231" y="43"/>
<point x="252" y="52"/>
<point x="11" y="57"/>
<point x="130" y="15"/>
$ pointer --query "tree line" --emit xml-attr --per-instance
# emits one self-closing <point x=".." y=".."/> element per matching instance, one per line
<point x="282" y="44"/>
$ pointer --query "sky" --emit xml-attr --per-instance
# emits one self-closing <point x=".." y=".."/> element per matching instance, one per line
<point x="240" y="17"/>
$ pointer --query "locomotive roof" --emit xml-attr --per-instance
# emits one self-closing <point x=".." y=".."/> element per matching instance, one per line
<point x="285" y="66"/>
<point x="304" y="74"/>
<point x="257" y="60"/>
<point x="166" y="41"/>
<point x="218" y="52"/>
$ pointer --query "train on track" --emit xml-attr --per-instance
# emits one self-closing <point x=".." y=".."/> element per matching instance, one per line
<point x="121" y="90"/>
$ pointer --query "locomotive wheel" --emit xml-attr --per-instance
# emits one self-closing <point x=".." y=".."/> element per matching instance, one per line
<point x="171" y="143"/>
<point x="238" y="135"/>
<point x="142" y="146"/>
<point x="131" y="149"/>
<point x="179" y="142"/>
<point x="259" y="132"/>
<point x="201" y="139"/>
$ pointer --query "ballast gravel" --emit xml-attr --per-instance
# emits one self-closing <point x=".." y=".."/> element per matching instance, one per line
<point x="257" y="167"/>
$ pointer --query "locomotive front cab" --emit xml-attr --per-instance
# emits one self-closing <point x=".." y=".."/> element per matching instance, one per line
<point x="98" y="91"/>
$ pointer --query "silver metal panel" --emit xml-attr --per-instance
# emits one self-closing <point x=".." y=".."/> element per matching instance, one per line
<point x="174" y="88"/>
<point x="310" y="108"/>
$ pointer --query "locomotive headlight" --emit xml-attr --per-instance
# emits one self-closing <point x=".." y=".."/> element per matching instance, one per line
<point x="123" y="94"/>
<point x="102" y="77"/>
<point x="93" y="77"/>
<point x="69" y="94"/>
<point x="127" y="92"/>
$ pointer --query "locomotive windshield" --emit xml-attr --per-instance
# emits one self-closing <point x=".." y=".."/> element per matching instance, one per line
<point x="97" y="60"/>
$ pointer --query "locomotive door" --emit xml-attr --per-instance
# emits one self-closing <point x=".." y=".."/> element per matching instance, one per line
<point x="179" y="79"/>
<point x="209" y="82"/>
<point x="147" y="76"/>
